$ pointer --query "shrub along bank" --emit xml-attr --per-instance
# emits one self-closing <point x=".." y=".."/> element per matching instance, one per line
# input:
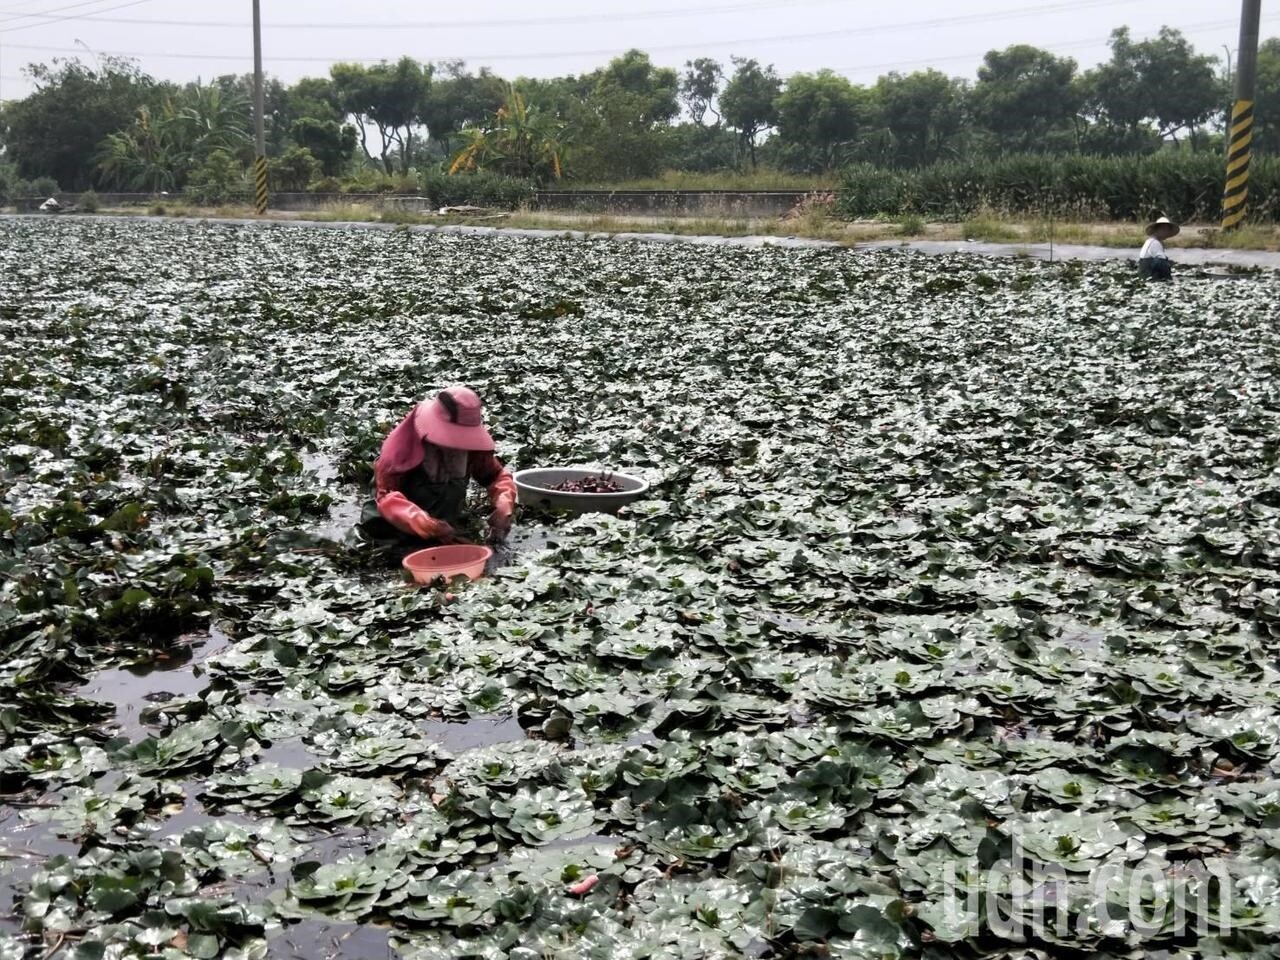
<point x="1185" y="187"/>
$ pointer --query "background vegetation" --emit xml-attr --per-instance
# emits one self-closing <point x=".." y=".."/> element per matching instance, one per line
<point x="1142" y="130"/>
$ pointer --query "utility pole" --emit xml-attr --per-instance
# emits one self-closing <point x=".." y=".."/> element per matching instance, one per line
<point x="1235" y="199"/>
<point x="259" y="121"/>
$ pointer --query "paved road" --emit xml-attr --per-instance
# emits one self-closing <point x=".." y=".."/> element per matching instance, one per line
<point x="1191" y="257"/>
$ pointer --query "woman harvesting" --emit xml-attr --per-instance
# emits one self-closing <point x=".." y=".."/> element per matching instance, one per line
<point x="424" y="470"/>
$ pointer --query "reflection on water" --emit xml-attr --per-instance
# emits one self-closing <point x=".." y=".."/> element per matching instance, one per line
<point x="24" y="848"/>
<point x="292" y="753"/>
<point x="523" y="540"/>
<point x="174" y="673"/>
<point x="343" y="516"/>
<point x="328" y="940"/>
<point x="323" y="465"/>
<point x="474" y="733"/>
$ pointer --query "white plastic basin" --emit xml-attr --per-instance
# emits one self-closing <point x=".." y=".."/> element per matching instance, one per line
<point x="535" y="490"/>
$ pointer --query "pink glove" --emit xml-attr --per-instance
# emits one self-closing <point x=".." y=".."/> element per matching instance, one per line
<point x="502" y="494"/>
<point x="403" y="514"/>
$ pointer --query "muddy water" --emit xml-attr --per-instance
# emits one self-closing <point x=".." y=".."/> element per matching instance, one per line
<point x="328" y="940"/>
<point x="173" y="674"/>
<point x="523" y="540"/>
<point x="292" y="753"/>
<point x="344" y="514"/>
<point x="24" y="849"/>
<point x="323" y="465"/>
<point x="472" y="734"/>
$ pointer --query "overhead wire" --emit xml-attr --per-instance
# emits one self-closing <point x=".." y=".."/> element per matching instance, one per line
<point x="16" y="13"/>
<point x="51" y="14"/>
<point x="44" y="23"/>
<point x="1064" y="45"/>
<point x="609" y="51"/>
<point x="16" y="10"/>
<point x="961" y="19"/>
<point x="610" y="17"/>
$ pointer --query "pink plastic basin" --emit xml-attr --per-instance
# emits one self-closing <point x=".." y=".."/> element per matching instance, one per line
<point x="459" y="560"/>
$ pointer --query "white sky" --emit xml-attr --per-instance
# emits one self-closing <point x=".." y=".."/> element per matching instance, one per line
<point x="860" y="38"/>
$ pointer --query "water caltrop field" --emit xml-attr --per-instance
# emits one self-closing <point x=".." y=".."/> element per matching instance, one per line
<point x="948" y="628"/>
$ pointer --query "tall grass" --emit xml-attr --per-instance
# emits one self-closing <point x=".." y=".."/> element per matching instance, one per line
<point x="1186" y="187"/>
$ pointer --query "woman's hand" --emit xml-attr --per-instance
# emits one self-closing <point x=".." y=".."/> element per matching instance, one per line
<point x="438" y="531"/>
<point x="404" y="514"/>
<point x="500" y="520"/>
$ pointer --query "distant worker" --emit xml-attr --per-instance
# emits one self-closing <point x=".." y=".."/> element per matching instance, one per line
<point x="1153" y="262"/>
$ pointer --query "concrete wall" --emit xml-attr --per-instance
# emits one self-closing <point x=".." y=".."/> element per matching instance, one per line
<point x="672" y="203"/>
<point x="279" y="201"/>
<point x="649" y="203"/>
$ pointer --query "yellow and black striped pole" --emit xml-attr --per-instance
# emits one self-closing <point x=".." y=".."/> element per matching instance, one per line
<point x="260" y="195"/>
<point x="1235" y="199"/>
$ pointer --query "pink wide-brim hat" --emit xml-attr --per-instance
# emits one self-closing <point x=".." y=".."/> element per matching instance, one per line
<point x="454" y="420"/>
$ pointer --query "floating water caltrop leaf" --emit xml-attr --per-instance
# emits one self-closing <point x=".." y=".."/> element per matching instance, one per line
<point x="947" y="564"/>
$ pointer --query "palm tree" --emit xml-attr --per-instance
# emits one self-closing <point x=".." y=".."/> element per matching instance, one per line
<point x="519" y="141"/>
<point x="162" y="148"/>
<point x="213" y="118"/>
<point x="144" y="157"/>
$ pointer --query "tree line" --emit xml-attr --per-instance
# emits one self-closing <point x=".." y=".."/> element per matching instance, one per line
<point x="386" y="125"/>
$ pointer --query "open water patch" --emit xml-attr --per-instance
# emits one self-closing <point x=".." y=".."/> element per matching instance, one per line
<point x="475" y="733"/>
<point x="25" y="847"/>
<point x="327" y="940"/>
<point x="176" y="673"/>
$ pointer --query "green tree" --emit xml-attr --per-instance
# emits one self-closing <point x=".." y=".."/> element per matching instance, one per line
<point x="1025" y="95"/>
<point x="294" y="169"/>
<point x="215" y="179"/>
<point x="653" y="92"/>
<point x="330" y="143"/>
<point x="618" y="115"/>
<point x="1185" y="88"/>
<point x="276" y="115"/>
<point x="565" y="98"/>
<point x="819" y="117"/>
<point x="922" y="114"/>
<point x="392" y="97"/>
<point x="457" y="99"/>
<point x="162" y="147"/>
<point x="1161" y="82"/>
<point x="519" y="141"/>
<point x="58" y="129"/>
<point x="213" y="118"/>
<point x="749" y="101"/>
<point x="314" y="97"/>
<point x="1267" y="102"/>
<point x="692" y="146"/>
<point x="699" y="86"/>
<point x="148" y="155"/>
